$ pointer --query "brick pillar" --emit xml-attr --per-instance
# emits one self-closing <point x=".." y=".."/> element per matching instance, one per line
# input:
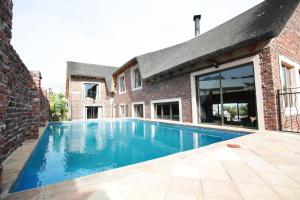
<point x="269" y="90"/>
<point x="35" y="104"/>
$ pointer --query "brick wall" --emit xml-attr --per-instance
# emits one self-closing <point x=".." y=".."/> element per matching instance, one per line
<point x="287" y="45"/>
<point x="77" y="103"/>
<point x="41" y="99"/>
<point x="178" y="86"/>
<point x="20" y="93"/>
<point x="44" y="107"/>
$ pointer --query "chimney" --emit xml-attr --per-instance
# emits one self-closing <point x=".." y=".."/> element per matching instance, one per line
<point x="197" y="24"/>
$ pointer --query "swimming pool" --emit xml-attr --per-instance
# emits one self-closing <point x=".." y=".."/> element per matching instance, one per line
<point x="74" y="149"/>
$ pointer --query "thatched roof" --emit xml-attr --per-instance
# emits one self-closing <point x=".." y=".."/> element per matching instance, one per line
<point x="91" y="70"/>
<point x="260" y="23"/>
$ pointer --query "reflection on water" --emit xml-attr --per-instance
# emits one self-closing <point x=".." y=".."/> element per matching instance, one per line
<point x="69" y="150"/>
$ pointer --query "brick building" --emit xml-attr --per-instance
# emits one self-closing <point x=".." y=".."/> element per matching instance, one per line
<point x="88" y="90"/>
<point x="229" y="75"/>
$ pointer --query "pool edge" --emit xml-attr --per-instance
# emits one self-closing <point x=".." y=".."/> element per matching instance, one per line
<point x="17" y="161"/>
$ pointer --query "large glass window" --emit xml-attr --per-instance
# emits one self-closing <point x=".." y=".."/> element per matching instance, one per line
<point x="90" y="90"/>
<point x="228" y="97"/>
<point x="138" y="110"/>
<point x="168" y="111"/>
<point x="122" y="87"/>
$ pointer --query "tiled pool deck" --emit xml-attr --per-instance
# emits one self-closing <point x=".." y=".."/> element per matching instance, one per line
<point x="267" y="166"/>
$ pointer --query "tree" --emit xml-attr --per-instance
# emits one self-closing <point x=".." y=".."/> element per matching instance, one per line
<point x="243" y="110"/>
<point x="58" y="107"/>
<point x="231" y="110"/>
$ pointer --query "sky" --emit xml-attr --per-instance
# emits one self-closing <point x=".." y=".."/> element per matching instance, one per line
<point x="48" y="33"/>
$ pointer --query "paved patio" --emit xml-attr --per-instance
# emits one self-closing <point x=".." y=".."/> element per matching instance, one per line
<point x="267" y="166"/>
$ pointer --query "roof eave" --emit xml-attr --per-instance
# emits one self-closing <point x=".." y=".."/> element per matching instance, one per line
<point x="128" y="64"/>
<point x="211" y="56"/>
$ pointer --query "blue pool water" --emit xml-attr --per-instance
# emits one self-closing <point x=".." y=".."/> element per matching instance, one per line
<point x="74" y="149"/>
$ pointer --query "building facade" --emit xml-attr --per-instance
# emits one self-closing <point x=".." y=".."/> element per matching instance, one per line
<point x="88" y="91"/>
<point x="242" y="73"/>
<point x="236" y="83"/>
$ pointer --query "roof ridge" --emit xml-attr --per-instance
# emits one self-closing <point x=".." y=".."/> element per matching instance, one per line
<point x="84" y="63"/>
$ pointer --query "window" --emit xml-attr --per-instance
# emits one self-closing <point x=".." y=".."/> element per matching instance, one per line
<point x="91" y="112"/>
<point x="168" y="110"/>
<point x="287" y="85"/>
<point x="122" y="87"/>
<point x="136" y="79"/>
<point x="286" y="77"/>
<point x="138" y="110"/>
<point x="228" y="97"/>
<point x="122" y="111"/>
<point x="90" y="90"/>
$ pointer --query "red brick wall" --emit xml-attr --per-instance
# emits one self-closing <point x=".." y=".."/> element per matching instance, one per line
<point x="20" y="93"/>
<point x="268" y="89"/>
<point x="178" y="86"/>
<point x="44" y="107"/>
<point x="42" y="102"/>
<point x="287" y="45"/>
<point x="77" y="103"/>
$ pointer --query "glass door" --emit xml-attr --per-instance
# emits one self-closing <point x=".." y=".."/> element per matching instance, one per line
<point x="239" y="101"/>
<point x="209" y="99"/>
<point x="91" y="112"/>
<point x="228" y="97"/>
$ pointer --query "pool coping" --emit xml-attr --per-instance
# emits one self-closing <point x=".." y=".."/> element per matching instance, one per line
<point x="22" y="153"/>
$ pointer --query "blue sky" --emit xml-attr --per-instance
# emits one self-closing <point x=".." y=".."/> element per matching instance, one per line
<point x="48" y="33"/>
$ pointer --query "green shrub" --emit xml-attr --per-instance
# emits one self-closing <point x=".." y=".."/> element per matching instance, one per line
<point x="58" y="107"/>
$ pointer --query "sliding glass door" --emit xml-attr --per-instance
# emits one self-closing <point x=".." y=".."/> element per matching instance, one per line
<point x="228" y="97"/>
<point x="169" y="111"/>
<point x="91" y="112"/>
<point x="209" y="98"/>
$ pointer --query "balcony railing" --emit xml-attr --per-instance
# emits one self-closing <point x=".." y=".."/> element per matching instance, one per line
<point x="289" y="109"/>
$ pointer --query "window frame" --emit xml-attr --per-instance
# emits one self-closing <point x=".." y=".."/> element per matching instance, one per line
<point x="171" y="100"/>
<point x="124" y="114"/>
<point x="295" y="82"/>
<point x="132" y="109"/>
<point x="258" y="87"/>
<point x="100" y="114"/>
<point x="119" y="83"/>
<point x="221" y="89"/>
<point x="132" y="73"/>
<point x="98" y="93"/>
